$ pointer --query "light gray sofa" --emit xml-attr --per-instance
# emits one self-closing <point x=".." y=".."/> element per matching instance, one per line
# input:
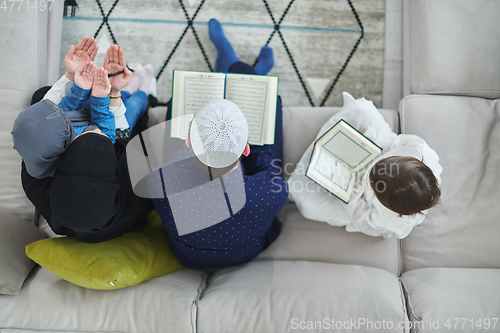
<point x="318" y="278"/>
<point x="452" y="85"/>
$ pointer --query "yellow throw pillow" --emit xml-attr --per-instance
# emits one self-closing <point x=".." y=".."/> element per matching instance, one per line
<point x="117" y="263"/>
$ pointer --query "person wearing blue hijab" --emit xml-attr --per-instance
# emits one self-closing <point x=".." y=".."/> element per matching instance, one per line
<point x="44" y="131"/>
<point x="41" y="134"/>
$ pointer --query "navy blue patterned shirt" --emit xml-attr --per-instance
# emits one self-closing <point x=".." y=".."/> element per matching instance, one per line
<point x="241" y="236"/>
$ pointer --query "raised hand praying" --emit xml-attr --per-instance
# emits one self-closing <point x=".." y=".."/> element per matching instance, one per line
<point x="78" y="56"/>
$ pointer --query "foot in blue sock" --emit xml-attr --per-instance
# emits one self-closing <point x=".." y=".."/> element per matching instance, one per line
<point x="266" y="61"/>
<point x="225" y="53"/>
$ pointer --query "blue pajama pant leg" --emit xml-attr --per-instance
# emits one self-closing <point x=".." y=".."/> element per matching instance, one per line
<point x="136" y="104"/>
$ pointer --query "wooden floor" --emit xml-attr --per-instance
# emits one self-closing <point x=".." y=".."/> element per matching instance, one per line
<point x="319" y="34"/>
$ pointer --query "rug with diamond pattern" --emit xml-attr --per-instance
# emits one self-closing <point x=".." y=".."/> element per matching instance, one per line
<point x="321" y="47"/>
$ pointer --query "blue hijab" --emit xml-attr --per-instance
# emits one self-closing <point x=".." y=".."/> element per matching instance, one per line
<point x="41" y="134"/>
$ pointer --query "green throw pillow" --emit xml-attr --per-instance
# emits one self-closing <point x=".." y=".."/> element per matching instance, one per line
<point x="117" y="263"/>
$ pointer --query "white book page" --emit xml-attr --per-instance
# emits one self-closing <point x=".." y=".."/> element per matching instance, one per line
<point x="349" y="147"/>
<point x="331" y="174"/>
<point x="256" y="96"/>
<point x="191" y="91"/>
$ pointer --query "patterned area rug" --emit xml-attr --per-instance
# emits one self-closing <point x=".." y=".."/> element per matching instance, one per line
<point x="321" y="47"/>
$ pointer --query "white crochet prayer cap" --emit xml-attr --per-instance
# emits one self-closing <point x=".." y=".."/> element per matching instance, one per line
<point x="219" y="133"/>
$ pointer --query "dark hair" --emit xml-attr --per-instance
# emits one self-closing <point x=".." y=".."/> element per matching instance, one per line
<point x="404" y="185"/>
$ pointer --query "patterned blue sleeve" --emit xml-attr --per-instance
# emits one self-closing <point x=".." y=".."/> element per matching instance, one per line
<point x="102" y="116"/>
<point x="75" y="99"/>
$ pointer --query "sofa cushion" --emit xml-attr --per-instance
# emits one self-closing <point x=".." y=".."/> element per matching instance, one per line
<point x="12" y="198"/>
<point x="23" y="41"/>
<point x="452" y="47"/>
<point x="291" y="296"/>
<point x="15" y="234"/>
<point x="116" y="263"/>
<point x="453" y="299"/>
<point x="23" y="64"/>
<point x="462" y="231"/>
<point x="48" y="303"/>
<point x="303" y="239"/>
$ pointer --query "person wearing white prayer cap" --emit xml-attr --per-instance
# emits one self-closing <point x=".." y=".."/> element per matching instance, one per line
<point x="219" y="200"/>
<point x="218" y="135"/>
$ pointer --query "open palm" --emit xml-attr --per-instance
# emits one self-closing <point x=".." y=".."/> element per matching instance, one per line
<point x="80" y="54"/>
<point x="101" y="85"/>
<point x="84" y="77"/>
<point x="114" y="61"/>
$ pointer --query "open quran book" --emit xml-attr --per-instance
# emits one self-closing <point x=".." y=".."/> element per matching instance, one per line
<point x="337" y="156"/>
<point x="255" y="95"/>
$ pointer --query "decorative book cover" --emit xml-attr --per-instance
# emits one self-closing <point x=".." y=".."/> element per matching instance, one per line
<point x="337" y="156"/>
